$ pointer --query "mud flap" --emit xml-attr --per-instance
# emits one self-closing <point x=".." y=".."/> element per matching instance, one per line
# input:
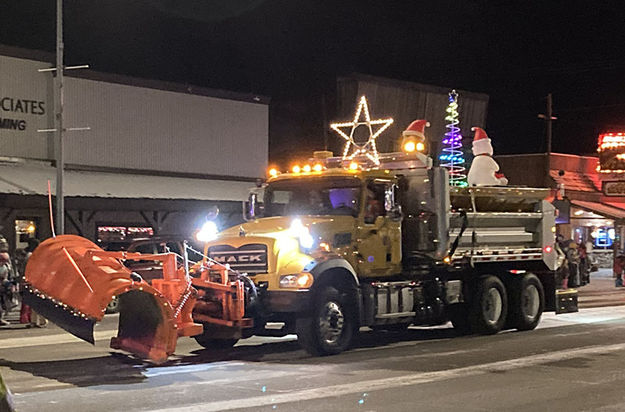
<point x="566" y="301"/>
<point x="62" y="315"/>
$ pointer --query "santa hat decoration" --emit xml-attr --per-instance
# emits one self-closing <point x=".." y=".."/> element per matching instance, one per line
<point x="416" y="128"/>
<point x="481" y="142"/>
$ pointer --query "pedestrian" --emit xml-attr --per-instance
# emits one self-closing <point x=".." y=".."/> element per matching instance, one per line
<point x="618" y="267"/>
<point x="590" y="256"/>
<point x="6" y="286"/>
<point x="584" y="267"/>
<point x="27" y="315"/>
<point x="562" y="271"/>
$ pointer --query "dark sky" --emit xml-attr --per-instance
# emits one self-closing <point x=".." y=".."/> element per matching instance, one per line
<point x="292" y="50"/>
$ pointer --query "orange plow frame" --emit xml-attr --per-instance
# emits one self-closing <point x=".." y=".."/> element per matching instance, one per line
<point x="71" y="280"/>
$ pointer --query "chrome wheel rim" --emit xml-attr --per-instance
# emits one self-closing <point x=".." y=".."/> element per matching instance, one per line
<point x="493" y="305"/>
<point x="531" y="302"/>
<point x="331" y="323"/>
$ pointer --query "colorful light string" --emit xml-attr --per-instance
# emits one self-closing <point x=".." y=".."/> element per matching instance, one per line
<point x="452" y="157"/>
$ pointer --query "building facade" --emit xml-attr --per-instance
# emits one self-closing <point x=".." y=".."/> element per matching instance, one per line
<point x="156" y="156"/>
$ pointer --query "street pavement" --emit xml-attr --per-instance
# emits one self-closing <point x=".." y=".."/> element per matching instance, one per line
<point x="571" y="362"/>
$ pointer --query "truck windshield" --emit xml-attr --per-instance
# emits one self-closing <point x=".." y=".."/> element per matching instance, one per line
<point x="315" y="196"/>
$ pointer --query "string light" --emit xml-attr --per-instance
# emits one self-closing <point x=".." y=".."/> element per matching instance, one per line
<point x="368" y="148"/>
<point x="452" y="157"/>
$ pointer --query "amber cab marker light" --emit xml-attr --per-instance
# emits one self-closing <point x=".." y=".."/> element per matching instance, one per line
<point x="353" y="166"/>
<point x="410" y="147"/>
<point x="273" y="172"/>
<point x="307" y="168"/>
<point x="296" y="169"/>
<point x="318" y="167"/>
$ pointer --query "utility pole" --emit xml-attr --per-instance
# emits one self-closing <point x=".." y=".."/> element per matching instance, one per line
<point x="549" y="118"/>
<point x="58" y="120"/>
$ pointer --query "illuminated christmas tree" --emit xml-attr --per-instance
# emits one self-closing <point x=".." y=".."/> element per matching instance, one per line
<point x="452" y="157"/>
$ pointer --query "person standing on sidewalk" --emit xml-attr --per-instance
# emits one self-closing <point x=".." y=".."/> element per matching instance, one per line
<point x="6" y="286"/>
<point x="35" y="319"/>
<point x="618" y="268"/>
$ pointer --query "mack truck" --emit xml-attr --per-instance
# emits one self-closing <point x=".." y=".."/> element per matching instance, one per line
<point x="332" y="246"/>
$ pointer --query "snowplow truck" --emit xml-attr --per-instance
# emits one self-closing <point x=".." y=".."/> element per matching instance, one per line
<point x="333" y="250"/>
<point x="325" y="250"/>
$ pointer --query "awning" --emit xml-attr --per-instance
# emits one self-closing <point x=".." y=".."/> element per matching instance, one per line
<point x="32" y="179"/>
<point x="603" y="209"/>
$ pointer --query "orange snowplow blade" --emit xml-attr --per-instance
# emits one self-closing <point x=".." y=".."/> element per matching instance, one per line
<point x="70" y="280"/>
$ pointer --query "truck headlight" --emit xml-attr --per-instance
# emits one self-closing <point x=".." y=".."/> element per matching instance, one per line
<point x="301" y="232"/>
<point x="296" y="281"/>
<point x="208" y="232"/>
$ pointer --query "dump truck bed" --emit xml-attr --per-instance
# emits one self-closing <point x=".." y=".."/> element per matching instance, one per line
<point x="503" y="224"/>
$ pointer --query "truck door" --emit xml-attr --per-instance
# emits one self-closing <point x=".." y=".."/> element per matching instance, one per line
<point x="379" y="235"/>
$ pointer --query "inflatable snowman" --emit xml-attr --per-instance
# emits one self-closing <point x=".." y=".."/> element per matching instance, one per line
<point x="484" y="170"/>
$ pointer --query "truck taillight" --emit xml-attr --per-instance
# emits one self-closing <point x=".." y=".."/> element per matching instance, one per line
<point x="548" y="249"/>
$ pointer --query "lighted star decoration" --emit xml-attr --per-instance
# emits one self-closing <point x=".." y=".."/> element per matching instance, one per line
<point x="368" y="148"/>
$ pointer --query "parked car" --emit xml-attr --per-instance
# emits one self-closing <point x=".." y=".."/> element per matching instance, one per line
<point x="151" y="269"/>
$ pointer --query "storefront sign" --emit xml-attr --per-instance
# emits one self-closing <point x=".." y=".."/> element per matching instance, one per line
<point x="123" y="233"/>
<point x="13" y="110"/>
<point x="613" y="188"/>
<point x="611" y="150"/>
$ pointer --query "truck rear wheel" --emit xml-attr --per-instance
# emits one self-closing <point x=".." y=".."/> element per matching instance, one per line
<point x="329" y="329"/>
<point x="527" y="302"/>
<point x="489" y="307"/>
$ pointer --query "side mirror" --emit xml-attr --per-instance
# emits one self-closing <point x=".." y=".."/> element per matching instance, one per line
<point x="252" y="209"/>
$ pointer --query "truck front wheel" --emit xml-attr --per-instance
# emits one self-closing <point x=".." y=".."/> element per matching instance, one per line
<point x="527" y="302"/>
<point x="489" y="307"/>
<point x="330" y="327"/>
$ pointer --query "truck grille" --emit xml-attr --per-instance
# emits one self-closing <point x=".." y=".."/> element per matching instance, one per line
<point x="250" y="258"/>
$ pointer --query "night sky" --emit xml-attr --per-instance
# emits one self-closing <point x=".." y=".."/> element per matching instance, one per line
<point x="292" y="51"/>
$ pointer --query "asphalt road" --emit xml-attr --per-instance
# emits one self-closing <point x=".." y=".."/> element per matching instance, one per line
<point x="572" y="362"/>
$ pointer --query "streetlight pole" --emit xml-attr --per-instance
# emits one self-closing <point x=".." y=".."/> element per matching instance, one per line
<point x="58" y="120"/>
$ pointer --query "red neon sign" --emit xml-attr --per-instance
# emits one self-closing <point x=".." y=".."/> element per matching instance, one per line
<point x="611" y="150"/>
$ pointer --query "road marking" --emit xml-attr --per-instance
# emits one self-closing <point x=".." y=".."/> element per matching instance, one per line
<point x="259" y="375"/>
<point x="172" y="370"/>
<point x="395" y="382"/>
